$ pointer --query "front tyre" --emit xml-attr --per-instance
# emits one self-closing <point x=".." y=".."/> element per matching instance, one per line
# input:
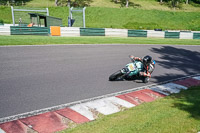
<point x="115" y="75"/>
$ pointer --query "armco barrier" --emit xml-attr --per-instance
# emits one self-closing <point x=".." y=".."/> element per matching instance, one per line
<point x="116" y="32"/>
<point x="55" y="30"/>
<point x="172" y="34"/>
<point x="137" y="33"/>
<point x="92" y="31"/>
<point x="70" y="31"/>
<point x="8" y="29"/>
<point x="196" y="35"/>
<point x="16" y="30"/>
<point x="156" y="34"/>
<point x="186" y="35"/>
<point x="4" y="30"/>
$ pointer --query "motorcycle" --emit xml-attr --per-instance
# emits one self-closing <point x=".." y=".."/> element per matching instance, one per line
<point x="130" y="72"/>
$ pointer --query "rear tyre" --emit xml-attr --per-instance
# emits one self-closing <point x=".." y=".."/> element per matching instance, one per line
<point x="115" y="76"/>
<point x="145" y="79"/>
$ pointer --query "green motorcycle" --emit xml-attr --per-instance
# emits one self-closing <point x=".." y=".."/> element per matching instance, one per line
<point x="130" y="72"/>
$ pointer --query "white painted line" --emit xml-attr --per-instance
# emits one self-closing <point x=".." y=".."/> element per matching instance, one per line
<point x="83" y="110"/>
<point x="53" y="45"/>
<point x="159" y="90"/>
<point x="176" y="86"/>
<point x="2" y="131"/>
<point x="119" y="101"/>
<point x="197" y="78"/>
<point x="168" y="88"/>
<point x="103" y="106"/>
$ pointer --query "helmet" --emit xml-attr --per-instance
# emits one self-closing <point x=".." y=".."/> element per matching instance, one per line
<point x="147" y="60"/>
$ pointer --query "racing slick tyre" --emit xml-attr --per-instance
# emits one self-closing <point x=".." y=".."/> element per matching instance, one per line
<point x="145" y="79"/>
<point x="115" y="76"/>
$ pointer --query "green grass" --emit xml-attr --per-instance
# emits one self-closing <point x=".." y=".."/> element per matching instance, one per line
<point x="141" y="19"/>
<point x="38" y="3"/>
<point x="178" y="113"/>
<point x="5" y="14"/>
<point x="39" y="40"/>
<point x="102" y="17"/>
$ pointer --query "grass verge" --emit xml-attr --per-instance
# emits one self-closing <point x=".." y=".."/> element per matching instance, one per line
<point x="178" y="113"/>
<point x="42" y="40"/>
<point x="122" y="18"/>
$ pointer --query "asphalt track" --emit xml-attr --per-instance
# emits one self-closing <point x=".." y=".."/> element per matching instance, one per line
<point x="37" y="77"/>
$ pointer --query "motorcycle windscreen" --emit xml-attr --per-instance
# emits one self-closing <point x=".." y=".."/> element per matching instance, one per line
<point x="139" y="65"/>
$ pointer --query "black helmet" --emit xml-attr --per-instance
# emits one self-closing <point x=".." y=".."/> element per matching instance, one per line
<point x="147" y="60"/>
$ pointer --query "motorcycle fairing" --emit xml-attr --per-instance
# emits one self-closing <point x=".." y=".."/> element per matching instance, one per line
<point x="134" y="68"/>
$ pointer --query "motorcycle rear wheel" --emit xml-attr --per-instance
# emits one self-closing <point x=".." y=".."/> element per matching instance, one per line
<point x="115" y="76"/>
<point x="145" y="79"/>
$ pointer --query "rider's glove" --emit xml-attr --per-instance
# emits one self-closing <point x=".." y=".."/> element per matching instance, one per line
<point x="131" y="56"/>
<point x="145" y="74"/>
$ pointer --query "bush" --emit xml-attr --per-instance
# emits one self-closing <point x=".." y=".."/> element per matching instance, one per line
<point x="1" y="21"/>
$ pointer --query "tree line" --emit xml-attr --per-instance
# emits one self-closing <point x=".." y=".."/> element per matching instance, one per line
<point x="123" y="3"/>
<point x="128" y="3"/>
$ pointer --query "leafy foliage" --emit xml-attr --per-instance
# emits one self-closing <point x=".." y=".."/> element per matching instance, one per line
<point x="196" y="1"/>
<point x="75" y="3"/>
<point x="173" y="3"/>
<point x="1" y="21"/>
<point x="13" y="2"/>
<point x="126" y="3"/>
<point x="178" y="3"/>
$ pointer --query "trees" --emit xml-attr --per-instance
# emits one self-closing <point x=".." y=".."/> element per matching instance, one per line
<point x="172" y="3"/>
<point x="74" y="3"/>
<point x="56" y="2"/>
<point x="178" y="3"/>
<point x="13" y="2"/>
<point x="125" y="3"/>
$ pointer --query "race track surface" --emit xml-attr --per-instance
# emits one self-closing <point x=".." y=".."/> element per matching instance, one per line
<point x="37" y="77"/>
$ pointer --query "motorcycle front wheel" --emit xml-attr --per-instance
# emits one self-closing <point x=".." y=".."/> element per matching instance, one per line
<point x="115" y="76"/>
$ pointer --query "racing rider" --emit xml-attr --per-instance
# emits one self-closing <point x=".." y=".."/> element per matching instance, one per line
<point x="148" y="63"/>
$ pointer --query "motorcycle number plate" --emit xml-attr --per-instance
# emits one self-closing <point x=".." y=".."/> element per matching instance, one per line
<point x="131" y="67"/>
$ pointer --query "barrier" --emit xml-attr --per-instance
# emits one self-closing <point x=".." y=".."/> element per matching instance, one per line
<point x="70" y="31"/>
<point x="196" y="35"/>
<point x="186" y="35"/>
<point x="92" y="32"/>
<point x="16" y="30"/>
<point x="137" y="33"/>
<point x="172" y="34"/>
<point x="157" y="34"/>
<point x="4" y="30"/>
<point x="76" y="31"/>
<point x="55" y="30"/>
<point x="116" y="32"/>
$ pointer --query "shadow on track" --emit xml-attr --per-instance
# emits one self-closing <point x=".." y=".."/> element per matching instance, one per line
<point x="188" y="62"/>
<point x="177" y="59"/>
